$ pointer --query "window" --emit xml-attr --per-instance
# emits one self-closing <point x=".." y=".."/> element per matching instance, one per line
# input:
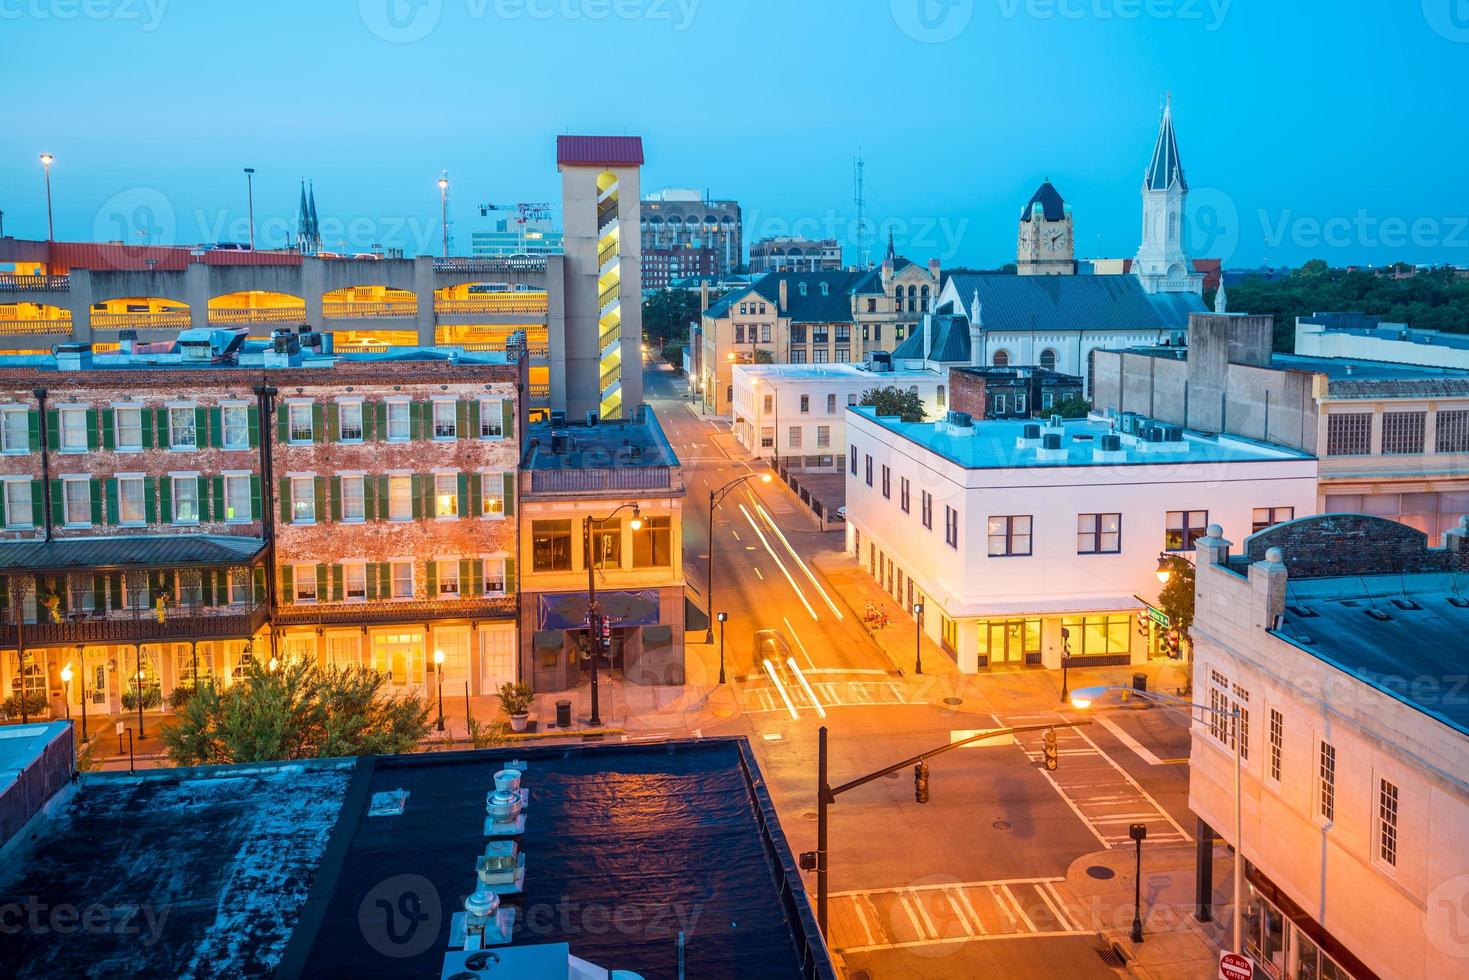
<point x="887" y="483"/>
<point x="1242" y="706"/>
<point x="767" y="436"/>
<point x="18" y="504"/>
<point x="852" y="459"/>
<point x="805" y="404"/>
<point x="767" y="404"/>
<point x="831" y="404"/>
<point x="492" y="495"/>
<point x="823" y="437"/>
<point x="74" y="430"/>
<point x="77" y="501"/>
<point x="400" y="498"/>
<point x="354" y="581"/>
<point x="15" y="436"/>
<point x="181" y="434"/>
<point x="445" y="424"/>
<point x="446" y="495"/>
<point x="739" y="333"/>
<point x="303" y="500"/>
<point x="491" y="419"/>
<point x="926" y="500"/>
<point x="951" y="527"/>
<point x="398" y="427"/>
<point x="1277" y="742"/>
<point x="1326" y="776"/>
<point x="1048" y="359"/>
<point x="402" y="579"/>
<point x="1098" y="534"/>
<point x="869" y="471"/>
<point x="235" y="420"/>
<point x="821" y="356"/>
<point x="1219" y="720"/>
<point x="494" y="576"/>
<point x="448" y="570"/>
<point x="354" y="507"/>
<point x="1387" y="822"/>
<point x="1402" y="432"/>
<point x="298" y="418"/>
<point x="794" y="441"/>
<point x="349" y="422"/>
<point x="237" y="507"/>
<point x="1349" y="433"/>
<point x="652" y="543"/>
<point x="1263" y="517"/>
<point x="130" y="501"/>
<point x="607" y="544"/>
<point x="1009" y="536"/>
<point x="903" y="490"/>
<point x="1452" y="435"/>
<point x="185" y="489"/>
<point x="764" y="333"/>
<point x="1001" y="358"/>
<point x="127" y="423"/>
<point x="999" y="405"/>
<point x="939" y="396"/>
<point x="241" y="591"/>
<point x="304" y="578"/>
<point x="1184" y="528"/>
<point x="551" y="546"/>
<point x="1094" y="636"/>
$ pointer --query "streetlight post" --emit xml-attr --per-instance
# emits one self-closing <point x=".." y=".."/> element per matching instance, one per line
<point x="723" y="618"/>
<point x="1084" y="698"/>
<point x="1138" y="832"/>
<point x="444" y="209"/>
<point x="1065" y="663"/>
<point x="439" y="683"/>
<point x="82" y="656"/>
<point x="46" y="159"/>
<point x="594" y="618"/>
<point x="250" y="202"/>
<point x="917" y="637"/>
<point x="715" y="496"/>
<point x="66" y="689"/>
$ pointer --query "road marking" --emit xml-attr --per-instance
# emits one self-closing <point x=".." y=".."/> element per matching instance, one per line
<point x="758" y="574"/>
<point x="1142" y="751"/>
<point x="780" y="564"/>
<point x="1134" y="783"/>
<point x="799" y="560"/>
<point x="953" y="912"/>
<point x="781" y="688"/>
<point x="737" y="538"/>
<point x="797" y="637"/>
<point x="796" y="669"/>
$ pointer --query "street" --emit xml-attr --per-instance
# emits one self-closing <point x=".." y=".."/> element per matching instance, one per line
<point x="1011" y="870"/>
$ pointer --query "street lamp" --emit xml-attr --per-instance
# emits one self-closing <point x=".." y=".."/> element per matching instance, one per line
<point x="1166" y="562"/>
<point x="439" y="683"/>
<point x="444" y="209"/>
<point x="594" y="620"/>
<point x="250" y="202"/>
<point x="715" y="496"/>
<point x="723" y="618"/>
<point x="918" y="637"/>
<point x="66" y="687"/>
<point x="46" y="159"/>
<point x="1138" y="832"/>
<point x="1065" y="662"/>
<point x="1085" y="697"/>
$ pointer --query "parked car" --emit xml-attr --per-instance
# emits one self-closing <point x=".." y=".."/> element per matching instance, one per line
<point x="841" y="513"/>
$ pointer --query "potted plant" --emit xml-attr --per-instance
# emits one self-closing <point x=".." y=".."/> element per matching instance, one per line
<point x="515" y="701"/>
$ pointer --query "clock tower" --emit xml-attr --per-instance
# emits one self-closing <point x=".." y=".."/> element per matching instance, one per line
<point x="1047" y="240"/>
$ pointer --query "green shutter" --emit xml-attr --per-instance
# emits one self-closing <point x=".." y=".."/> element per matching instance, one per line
<point x="146" y="424"/>
<point x="164" y="440"/>
<point x="461" y="419"/>
<point x="38" y="511"/>
<point x="216" y="426"/>
<point x="333" y="422"/>
<point x="53" y="429"/>
<point x="507" y="417"/>
<point x="464" y="494"/>
<point x="150" y="500"/>
<point x="509" y="575"/>
<point x="219" y="501"/>
<point x="509" y="479"/>
<point x="94" y="491"/>
<point x="339" y="590"/>
<point x="201" y="428"/>
<point x="369" y="498"/>
<point x="416" y="490"/>
<point x="384" y="579"/>
<point x="257" y="577"/>
<point x="320" y="488"/>
<point x="91" y="417"/>
<point x="336" y="498"/>
<point x="370" y="575"/>
<point x="109" y="429"/>
<point x="473" y="432"/>
<point x="222" y="587"/>
<point x="288" y="584"/>
<point x="33" y="430"/>
<point x="58" y="506"/>
<point x="382" y="498"/>
<point x="432" y="568"/>
<point x="206" y="586"/>
<point x="415" y="420"/>
<point x="322" y="582"/>
<point x="115" y="587"/>
<point x="466" y="577"/>
<point x="285" y="499"/>
<point x="380" y="427"/>
<point x="476" y="496"/>
<point x="282" y="424"/>
<point x="252" y="422"/>
<point x="203" y="505"/>
<point x="255" y="511"/>
<point x="113" y="510"/>
<point x="318" y="424"/>
<point x="165" y="500"/>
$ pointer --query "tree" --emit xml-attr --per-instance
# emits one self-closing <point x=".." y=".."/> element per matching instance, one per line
<point x="298" y="711"/>
<point x="1071" y="407"/>
<point x="1176" y="601"/>
<point x="892" y="401"/>
<point x="668" y="313"/>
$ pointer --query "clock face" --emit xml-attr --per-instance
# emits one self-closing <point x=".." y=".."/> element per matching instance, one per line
<point x="1054" y="240"/>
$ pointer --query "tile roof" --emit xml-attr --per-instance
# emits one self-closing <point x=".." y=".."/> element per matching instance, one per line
<point x="599" y="151"/>
<point x="135" y="551"/>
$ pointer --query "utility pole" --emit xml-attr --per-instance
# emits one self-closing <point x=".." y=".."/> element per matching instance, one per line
<point x="250" y="202"/>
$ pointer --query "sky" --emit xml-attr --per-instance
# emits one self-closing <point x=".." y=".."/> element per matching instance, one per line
<point x="1307" y="128"/>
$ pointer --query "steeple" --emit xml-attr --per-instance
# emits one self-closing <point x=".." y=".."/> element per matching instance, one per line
<point x="1221" y="302"/>
<point x="1166" y="167"/>
<point x="892" y="252"/>
<point x="315" y="225"/>
<point x="303" y="221"/>
<point x="1162" y="264"/>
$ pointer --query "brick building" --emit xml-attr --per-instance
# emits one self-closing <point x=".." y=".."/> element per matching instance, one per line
<point x="172" y="515"/>
<point x="1017" y="392"/>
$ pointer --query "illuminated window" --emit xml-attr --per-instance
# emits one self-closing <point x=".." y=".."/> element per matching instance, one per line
<point x="446" y="495"/>
<point x="237" y="506"/>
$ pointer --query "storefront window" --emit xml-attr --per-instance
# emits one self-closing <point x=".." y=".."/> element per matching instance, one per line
<point x="1098" y="635"/>
<point x="551" y="546"/>
<point x="1008" y="641"/>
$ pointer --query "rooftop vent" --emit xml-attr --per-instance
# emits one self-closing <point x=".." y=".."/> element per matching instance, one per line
<point x="961" y="420"/>
<point x="1111" y="444"/>
<point x="1031" y="431"/>
<point x="1378" y="614"/>
<point x="558" y="417"/>
<point x="1051" y="441"/>
<point x="1458" y="602"/>
<point x="1406" y="603"/>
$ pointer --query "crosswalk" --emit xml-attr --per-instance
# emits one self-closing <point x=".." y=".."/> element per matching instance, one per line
<point x="1099" y="791"/>
<point x="973" y="911"/>
<point x="790" y="689"/>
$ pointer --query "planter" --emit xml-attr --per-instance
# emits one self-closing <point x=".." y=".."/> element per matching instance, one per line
<point x="519" y="723"/>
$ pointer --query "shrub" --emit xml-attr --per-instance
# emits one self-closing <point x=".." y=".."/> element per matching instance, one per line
<point x="515" y="699"/>
<point x="36" y="705"/>
<point x="152" y="698"/>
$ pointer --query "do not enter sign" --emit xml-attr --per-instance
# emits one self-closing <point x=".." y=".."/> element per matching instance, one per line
<point x="1233" y="966"/>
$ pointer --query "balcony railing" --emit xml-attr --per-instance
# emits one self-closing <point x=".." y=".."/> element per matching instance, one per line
<point x="21" y="284"/>
<point x="395" y="611"/>
<point x="280" y="314"/>
<point x="609" y="376"/>
<point x="486" y="305"/>
<point x="496" y="263"/>
<point x="598" y="480"/>
<point x="607" y="296"/>
<point x="37" y="327"/>
<point x="540" y="390"/>
<point x="181" y="622"/>
<point x="142" y="321"/>
<point x="394" y="308"/>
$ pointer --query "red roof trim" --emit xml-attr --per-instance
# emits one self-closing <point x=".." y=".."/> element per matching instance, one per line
<point x="599" y="151"/>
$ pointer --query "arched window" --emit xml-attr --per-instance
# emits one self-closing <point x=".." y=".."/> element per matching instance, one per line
<point x="923" y="297"/>
<point x="1048" y="359"/>
<point x="1172" y="224"/>
<point x="802" y="288"/>
<point x="1002" y="358"/>
<point x="912" y="298"/>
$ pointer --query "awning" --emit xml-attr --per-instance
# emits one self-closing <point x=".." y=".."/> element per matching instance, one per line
<point x="568" y="610"/>
<point x="133" y="552"/>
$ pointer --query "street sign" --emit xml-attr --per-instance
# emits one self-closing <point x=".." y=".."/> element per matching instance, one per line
<point x="1233" y="966"/>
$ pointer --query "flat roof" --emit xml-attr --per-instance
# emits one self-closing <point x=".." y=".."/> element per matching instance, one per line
<point x="20" y="745"/>
<point x="1335" y="368"/>
<point x="1412" y="652"/>
<point x="839" y="371"/>
<point x="278" y="870"/>
<point x="994" y="444"/>
<point x="635" y="442"/>
<point x="250" y="356"/>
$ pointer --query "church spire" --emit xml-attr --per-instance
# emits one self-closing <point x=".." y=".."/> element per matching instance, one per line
<point x="892" y="252"/>
<point x="1221" y="302"/>
<point x="1165" y="167"/>
<point x="303" y="220"/>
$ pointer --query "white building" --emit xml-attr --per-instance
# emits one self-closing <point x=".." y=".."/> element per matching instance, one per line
<point x="798" y="412"/>
<point x="1013" y="532"/>
<point x="1354" y="335"/>
<point x="1341" y="639"/>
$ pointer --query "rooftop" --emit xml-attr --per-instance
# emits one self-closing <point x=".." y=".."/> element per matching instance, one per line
<point x="619" y="443"/>
<point x="279" y="869"/>
<point x="599" y="151"/>
<point x="999" y="444"/>
<point x="1335" y="368"/>
<point x="140" y="551"/>
<point x="1362" y="325"/>
<point x="832" y="371"/>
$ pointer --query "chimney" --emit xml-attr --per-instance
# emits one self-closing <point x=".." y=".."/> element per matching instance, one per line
<point x="887" y="273"/>
<point x="784" y="290"/>
<point x="933" y="269"/>
<point x="703" y="295"/>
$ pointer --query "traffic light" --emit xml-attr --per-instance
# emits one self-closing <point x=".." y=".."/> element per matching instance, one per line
<point x="920" y="782"/>
<point x="1050" y="748"/>
<point x="1173" y="643"/>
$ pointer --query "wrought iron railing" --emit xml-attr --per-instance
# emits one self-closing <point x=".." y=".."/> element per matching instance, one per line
<point x="181" y="622"/>
<point x="395" y="611"/>
<point x="593" y="480"/>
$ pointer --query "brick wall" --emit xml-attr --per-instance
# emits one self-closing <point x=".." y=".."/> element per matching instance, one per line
<point x="1352" y="544"/>
<point x="966" y="393"/>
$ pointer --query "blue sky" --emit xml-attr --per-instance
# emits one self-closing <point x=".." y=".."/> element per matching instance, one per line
<point x="1307" y="128"/>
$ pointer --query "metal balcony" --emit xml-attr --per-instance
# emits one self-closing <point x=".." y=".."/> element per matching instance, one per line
<point x="395" y="611"/>
<point x="181" y="622"/>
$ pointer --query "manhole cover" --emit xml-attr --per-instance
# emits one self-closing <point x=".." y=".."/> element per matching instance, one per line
<point x="1001" y="825"/>
<point x="809" y="815"/>
<point x="1100" y="873"/>
<point x="953" y="700"/>
<point x="722" y="712"/>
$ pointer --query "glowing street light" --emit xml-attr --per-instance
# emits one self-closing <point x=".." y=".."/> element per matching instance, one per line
<point x="46" y="159"/>
<point x="439" y="683"/>
<point x="66" y="686"/>
<point x="444" y="209"/>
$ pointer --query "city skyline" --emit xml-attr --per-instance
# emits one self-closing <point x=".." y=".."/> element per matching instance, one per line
<point x="989" y="112"/>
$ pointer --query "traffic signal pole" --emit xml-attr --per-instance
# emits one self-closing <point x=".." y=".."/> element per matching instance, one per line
<point x="826" y="794"/>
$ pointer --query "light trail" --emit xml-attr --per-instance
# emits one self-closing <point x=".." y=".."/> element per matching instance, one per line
<point x="779" y="564"/>
<point x="799" y="560"/>
<point x="796" y="669"/>
<point x="781" y="689"/>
